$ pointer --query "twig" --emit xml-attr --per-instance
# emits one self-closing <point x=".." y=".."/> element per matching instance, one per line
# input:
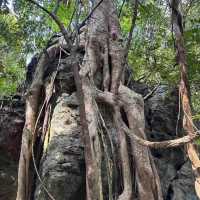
<point x="144" y="77"/>
<point x="120" y="11"/>
<point x="74" y="11"/>
<point x="56" y="19"/>
<point x="55" y="10"/>
<point x="130" y="36"/>
<point x="152" y="92"/>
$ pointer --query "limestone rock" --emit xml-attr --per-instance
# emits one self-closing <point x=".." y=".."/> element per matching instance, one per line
<point x="62" y="166"/>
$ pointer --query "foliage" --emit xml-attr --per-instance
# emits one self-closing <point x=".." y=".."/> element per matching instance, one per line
<point x="152" y="54"/>
<point x="11" y="72"/>
<point x="26" y="30"/>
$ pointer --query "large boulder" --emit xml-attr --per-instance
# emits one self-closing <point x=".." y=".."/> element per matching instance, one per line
<point x="62" y="167"/>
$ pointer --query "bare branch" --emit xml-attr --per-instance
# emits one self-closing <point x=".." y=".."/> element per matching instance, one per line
<point x="120" y="11"/>
<point x="144" y="77"/>
<point x="130" y="36"/>
<point x="112" y="100"/>
<point x="56" y="19"/>
<point x="152" y="92"/>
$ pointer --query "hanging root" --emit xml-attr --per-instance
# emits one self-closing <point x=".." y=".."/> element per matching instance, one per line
<point x="106" y="70"/>
<point x="185" y="90"/>
<point x="126" y="170"/>
<point x="25" y="176"/>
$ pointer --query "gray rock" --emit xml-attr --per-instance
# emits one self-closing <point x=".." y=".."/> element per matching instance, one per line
<point x="11" y="125"/>
<point x="161" y="111"/>
<point x="62" y="166"/>
<point x="182" y="187"/>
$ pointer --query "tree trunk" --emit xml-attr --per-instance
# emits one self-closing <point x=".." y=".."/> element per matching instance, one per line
<point x="185" y="90"/>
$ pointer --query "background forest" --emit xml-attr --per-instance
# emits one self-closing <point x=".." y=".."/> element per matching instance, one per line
<point x="25" y="30"/>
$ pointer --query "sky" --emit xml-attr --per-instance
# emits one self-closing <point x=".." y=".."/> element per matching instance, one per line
<point x="10" y="6"/>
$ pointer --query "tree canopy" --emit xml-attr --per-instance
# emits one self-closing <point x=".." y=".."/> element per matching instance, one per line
<point x="25" y="30"/>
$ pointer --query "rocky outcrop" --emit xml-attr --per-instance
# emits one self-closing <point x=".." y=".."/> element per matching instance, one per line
<point x="11" y="125"/>
<point x="62" y="167"/>
<point x="161" y="116"/>
<point x="174" y="169"/>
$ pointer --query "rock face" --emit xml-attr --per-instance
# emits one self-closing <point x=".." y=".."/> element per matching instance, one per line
<point x="174" y="169"/>
<point x="11" y="125"/>
<point x="62" y="167"/>
<point x="182" y="185"/>
<point x="61" y="170"/>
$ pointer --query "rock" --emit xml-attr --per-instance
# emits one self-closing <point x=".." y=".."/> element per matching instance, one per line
<point x="161" y="111"/>
<point x="11" y="126"/>
<point x="62" y="166"/>
<point x="182" y="186"/>
<point x="64" y="169"/>
<point x="8" y="177"/>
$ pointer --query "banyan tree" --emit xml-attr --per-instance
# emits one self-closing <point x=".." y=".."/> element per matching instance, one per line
<point x="79" y="92"/>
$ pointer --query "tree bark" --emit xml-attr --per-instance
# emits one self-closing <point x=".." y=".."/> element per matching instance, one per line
<point x="185" y="90"/>
<point x="25" y="174"/>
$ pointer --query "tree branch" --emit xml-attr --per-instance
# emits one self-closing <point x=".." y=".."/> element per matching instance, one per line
<point x="158" y="145"/>
<point x="120" y="11"/>
<point x="151" y="92"/>
<point x="56" y="19"/>
<point x="130" y="36"/>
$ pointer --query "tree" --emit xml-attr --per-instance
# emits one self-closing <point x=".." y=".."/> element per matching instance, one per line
<point x="185" y="89"/>
<point x="104" y="59"/>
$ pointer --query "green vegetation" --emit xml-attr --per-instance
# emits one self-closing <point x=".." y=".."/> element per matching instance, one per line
<point x="25" y="30"/>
